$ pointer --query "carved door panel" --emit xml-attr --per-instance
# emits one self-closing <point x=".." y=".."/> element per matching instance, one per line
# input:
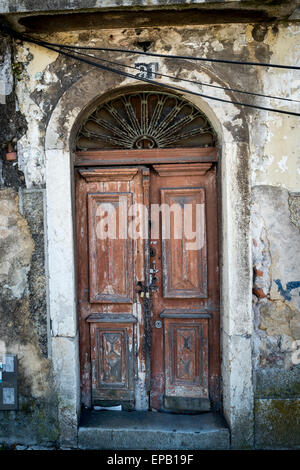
<point x="184" y="258"/>
<point x="110" y="263"/>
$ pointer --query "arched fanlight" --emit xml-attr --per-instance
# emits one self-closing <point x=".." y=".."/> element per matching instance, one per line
<point x="145" y="120"/>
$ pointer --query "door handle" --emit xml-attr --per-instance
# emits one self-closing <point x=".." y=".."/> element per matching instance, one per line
<point x="153" y="278"/>
<point x="153" y="270"/>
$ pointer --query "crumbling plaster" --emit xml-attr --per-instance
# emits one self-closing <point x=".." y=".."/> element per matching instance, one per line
<point x="274" y="141"/>
<point x="276" y="248"/>
<point x="20" y="331"/>
<point x="23" y="317"/>
<point x="276" y="306"/>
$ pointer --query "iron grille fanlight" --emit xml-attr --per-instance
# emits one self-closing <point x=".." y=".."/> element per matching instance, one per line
<point x="146" y="120"/>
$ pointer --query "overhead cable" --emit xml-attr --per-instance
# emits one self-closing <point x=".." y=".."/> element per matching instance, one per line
<point x="177" y="77"/>
<point x="164" y="85"/>
<point x="172" y="56"/>
<point x="59" y="48"/>
<point x="24" y="37"/>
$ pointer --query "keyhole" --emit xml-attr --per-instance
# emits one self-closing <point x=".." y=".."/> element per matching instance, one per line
<point x="152" y="252"/>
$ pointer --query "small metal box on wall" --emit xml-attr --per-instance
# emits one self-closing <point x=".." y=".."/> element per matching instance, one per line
<point x="8" y="382"/>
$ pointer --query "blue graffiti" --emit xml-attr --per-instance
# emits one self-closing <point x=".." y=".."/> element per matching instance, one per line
<point x="286" y="293"/>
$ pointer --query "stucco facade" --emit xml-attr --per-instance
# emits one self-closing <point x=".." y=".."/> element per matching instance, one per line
<point x="259" y="179"/>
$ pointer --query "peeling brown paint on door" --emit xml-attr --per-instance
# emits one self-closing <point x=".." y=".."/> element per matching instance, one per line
<point x="110" y="310"/>
<point x="148" y="309"/>
<point x="185" y="350"/>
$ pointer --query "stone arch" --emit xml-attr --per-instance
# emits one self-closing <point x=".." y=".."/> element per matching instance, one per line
<point x="95" y="87"/>
<point x="231" y="127"/>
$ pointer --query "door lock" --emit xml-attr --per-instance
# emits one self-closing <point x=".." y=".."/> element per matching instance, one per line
<point x="153" y="270"/>
<point x="152" y="252"/>
<point x="153" y="279"/>
<point x="143" y="290"/>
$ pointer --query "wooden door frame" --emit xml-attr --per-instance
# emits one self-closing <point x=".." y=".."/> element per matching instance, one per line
<point x="146" y="156"/>
<point x="175" y="156"/>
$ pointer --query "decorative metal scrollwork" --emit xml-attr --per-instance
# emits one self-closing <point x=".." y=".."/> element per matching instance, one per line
<point x="146" y="120"/>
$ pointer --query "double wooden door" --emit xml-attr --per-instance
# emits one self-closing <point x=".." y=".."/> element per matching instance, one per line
<point x="148" y="289"/>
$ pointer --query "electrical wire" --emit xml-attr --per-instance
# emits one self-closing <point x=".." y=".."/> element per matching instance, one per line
<point x="164" y="85"/>
<point x="24" y="37"/>
<point x="189" y="81"/>
<point x="172" y="56"/>
<point x="59" y="48"/>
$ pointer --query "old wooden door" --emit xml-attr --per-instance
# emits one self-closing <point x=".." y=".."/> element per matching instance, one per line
<point x="184" y="261"/>
<point x="110" y="264"/>
<point x="147" y="294"/>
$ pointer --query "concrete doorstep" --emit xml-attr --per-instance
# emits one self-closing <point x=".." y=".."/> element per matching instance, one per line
<point x="142" y="430"/>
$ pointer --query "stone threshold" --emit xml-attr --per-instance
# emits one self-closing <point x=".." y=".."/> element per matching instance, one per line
<point x="146" y="430"/>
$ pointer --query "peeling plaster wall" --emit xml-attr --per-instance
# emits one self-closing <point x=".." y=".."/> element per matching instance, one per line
<point x="43" y="77"/>
<point x="22" y="321"/>
<point x="23" y="310"/>
<point x="275" y="138"/>
<point x="276" y="255"/>
<point x="276" y="303"/>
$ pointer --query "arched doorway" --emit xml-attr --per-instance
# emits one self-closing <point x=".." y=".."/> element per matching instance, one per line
<point x="148" y="291"/>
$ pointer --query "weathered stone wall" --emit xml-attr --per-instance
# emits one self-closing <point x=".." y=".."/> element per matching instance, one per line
<point x="41" y="79"/>
<point x="276" y="258"/>
<point x="23" y="311"/>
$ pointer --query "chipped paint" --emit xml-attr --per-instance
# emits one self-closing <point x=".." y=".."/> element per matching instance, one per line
<point x="275" y="139"/>
<point x="41" y="59"/>
<point x="286" y="293"/>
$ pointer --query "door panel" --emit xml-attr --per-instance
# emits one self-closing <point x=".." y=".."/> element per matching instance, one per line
<point x="112" y="350"/>
<point x="186" y="368"/>
<point x="184" y="270"/>
<point x="115" y="251"/>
